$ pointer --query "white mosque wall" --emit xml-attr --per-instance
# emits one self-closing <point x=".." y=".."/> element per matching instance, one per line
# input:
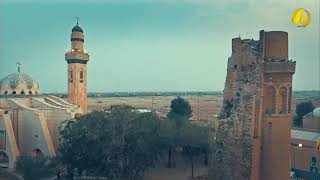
<point x="10" y="148"/>
<point x="33" y="124"/>
<point x="33" y="133"/>
<point x="59" y="100"/>
<point x="54" y="118"/>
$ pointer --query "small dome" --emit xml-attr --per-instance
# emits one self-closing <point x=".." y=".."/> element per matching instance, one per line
<point x="77" y="29"/>
<point x="316" y="112"/>
<point x="18" y="84"/>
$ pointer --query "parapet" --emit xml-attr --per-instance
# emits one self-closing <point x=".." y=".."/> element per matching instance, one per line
<point x="274" y="45"/>
<point x="279" y="67"/>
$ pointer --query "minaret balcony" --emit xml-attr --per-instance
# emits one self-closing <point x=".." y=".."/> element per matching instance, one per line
<point x="77" y="54"/>
<point x="279" y="67"/>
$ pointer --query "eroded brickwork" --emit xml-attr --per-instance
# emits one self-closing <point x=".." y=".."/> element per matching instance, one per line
<point x="252" y="116"/>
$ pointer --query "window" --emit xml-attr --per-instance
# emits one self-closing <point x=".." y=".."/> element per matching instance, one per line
<point x="14" y="92"/>
<point x="81" y="76"/>
<point x="6" y="92"/>
<point x="71" y="76"/>
<point x="270" y="100"/>
<point x="22" y="92"/>
<point x="290" y="99"/>
<point x="30" y="92"/>
<point x="283" y="100"/>
<point x="313" y="165"/>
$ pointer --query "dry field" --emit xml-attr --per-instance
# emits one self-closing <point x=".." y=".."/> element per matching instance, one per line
<point x="204" y="107"/>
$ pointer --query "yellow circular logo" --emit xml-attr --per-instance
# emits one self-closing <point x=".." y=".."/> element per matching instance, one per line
<point x="301" y="17"/>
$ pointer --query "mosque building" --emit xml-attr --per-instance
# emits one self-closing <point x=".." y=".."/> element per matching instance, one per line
<point x="305" y="146"/>
<point x="29" y="121"/>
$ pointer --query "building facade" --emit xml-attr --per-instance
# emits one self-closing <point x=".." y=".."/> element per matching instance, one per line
<point x="305" y="146"/>
<point x="29" y="121"/>
<point x="252" y="136"/>
<point x="77" y="59"/>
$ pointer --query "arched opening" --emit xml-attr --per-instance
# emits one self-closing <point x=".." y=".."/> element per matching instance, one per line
<point x="4" y="160"/>
<point x="290" y="99"/>
<point x="283" y="100"/>
<point x="14" y="92"/>
<point x="6" y="92"/>
<point x="30" y="92"/>
<point x="71" y="76"/>
<point x="81" y="76"/>
<point x="270" y="100"/>
<point x="22" y="92"/>
<point x="36" y="153"/>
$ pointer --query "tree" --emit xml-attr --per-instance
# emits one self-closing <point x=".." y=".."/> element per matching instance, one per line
<point x="34" y="168"/>
<point x="194" y="140"/>
<point x="118" y="144"/>
<point x="180" y="111"/>
<point x="191" y="152"/>
<point x="301" y="110"/>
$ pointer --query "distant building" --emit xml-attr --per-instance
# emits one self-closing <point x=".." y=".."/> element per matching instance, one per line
<point x="305" y="145"/>
<point x="252" y="136"/>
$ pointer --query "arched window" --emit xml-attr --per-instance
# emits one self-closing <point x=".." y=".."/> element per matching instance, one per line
<point x="290" y="99"/>
<point x="30" y="92"/>
<point x="22" y="92"/>
<point x="6" y="92"/>
<point x="71" y="76"/>
<point x="81" y="76"/>
<point x="14" y="92"/>
<point x="270" y="100"/>
<point x="283" y="100"/>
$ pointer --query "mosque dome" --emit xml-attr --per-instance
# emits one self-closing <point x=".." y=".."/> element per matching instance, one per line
<point x="316" y="112"/>
<point x="18" y="84"/>
<point x="77" y="28"/>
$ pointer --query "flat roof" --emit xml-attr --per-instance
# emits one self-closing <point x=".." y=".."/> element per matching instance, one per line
<point x="305" y="135"/>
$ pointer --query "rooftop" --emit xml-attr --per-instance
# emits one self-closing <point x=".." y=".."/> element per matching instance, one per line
<point x="305" y="135"/>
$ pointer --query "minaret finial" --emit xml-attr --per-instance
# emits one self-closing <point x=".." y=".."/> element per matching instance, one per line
<point x="19" y="66"/>
<point x="77" y="20"/>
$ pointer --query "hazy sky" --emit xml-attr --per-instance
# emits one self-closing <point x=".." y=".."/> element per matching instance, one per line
<point x="149" y="45"/>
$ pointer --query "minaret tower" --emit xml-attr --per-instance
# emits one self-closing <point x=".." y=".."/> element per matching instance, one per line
<point x="77" y="59"/>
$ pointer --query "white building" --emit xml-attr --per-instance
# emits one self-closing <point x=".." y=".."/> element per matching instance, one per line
<point x="29" y="121"/>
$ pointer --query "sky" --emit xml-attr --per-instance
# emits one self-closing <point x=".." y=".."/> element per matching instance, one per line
<point x="150" y="45"/>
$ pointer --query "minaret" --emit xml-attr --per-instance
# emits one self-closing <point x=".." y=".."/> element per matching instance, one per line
<point x="275" y="131"/>
<point x="77" y="59"/>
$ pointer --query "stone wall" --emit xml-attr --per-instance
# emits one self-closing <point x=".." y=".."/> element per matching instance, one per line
<point x="252" y="135"/>
<point x="232" y="157"/>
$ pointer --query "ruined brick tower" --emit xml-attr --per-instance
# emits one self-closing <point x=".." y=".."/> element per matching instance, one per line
<point x="252" y="136"/>
<point x="77" y="59"/>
